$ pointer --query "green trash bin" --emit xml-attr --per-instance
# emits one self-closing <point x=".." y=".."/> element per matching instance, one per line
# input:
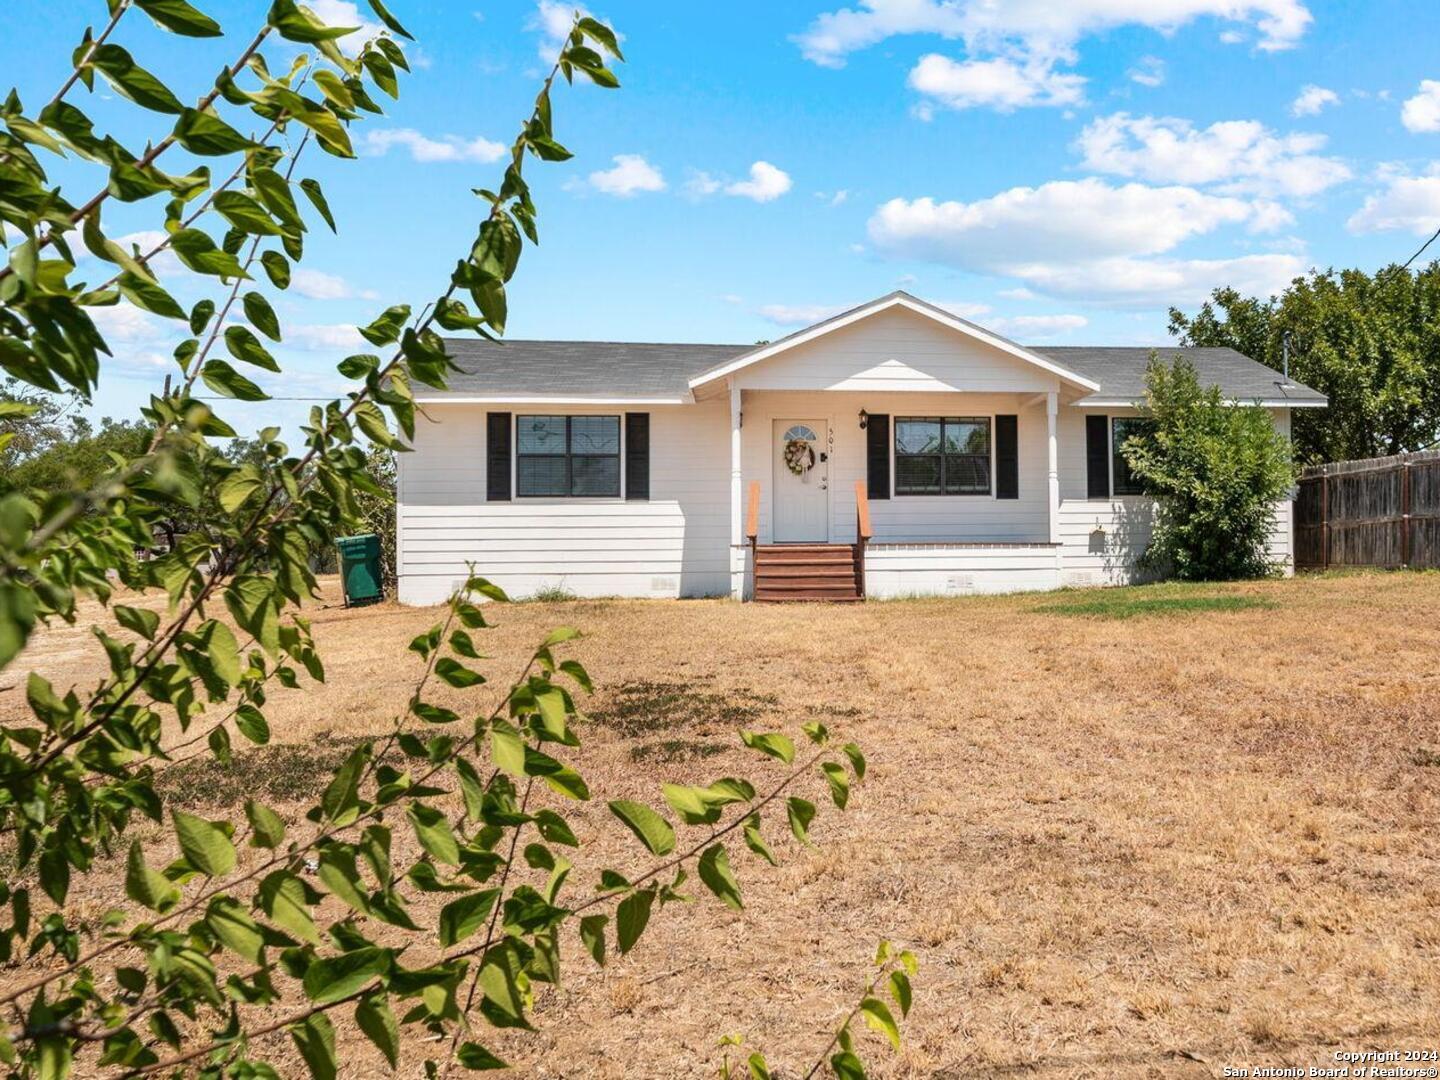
<point x="360" y="569"/>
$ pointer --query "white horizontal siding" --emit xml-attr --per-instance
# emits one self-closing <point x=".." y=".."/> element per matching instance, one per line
<point x="675" y="544"/>
<point x="896" y="350"/>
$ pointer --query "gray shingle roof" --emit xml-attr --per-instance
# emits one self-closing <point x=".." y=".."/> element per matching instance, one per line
<point x="612" y="369"/>
<point x="1121" y="372"/>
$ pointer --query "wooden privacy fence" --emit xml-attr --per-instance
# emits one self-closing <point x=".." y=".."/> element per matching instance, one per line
<point x="1376" y="512"/>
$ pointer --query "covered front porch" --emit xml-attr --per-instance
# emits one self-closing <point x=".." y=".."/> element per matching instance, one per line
<point x="931" y="492"/>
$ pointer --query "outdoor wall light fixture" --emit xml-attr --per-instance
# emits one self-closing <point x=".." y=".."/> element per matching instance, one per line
<point x="864" y="419"/>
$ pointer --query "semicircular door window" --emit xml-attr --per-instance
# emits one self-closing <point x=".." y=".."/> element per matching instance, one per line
<point x="800" y="431"/>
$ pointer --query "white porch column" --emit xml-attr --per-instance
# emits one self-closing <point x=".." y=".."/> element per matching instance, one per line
<point x="737" y="499"/>
<point x="1052" y="411"/>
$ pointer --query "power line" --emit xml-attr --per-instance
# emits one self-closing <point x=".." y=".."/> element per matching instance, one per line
<point x="1421" y="251"/>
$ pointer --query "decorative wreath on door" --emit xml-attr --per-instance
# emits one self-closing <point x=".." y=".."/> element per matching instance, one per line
<point x="799" y="456"/>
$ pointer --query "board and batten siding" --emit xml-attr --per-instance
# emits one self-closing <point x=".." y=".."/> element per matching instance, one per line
<point x="674" y="544"/>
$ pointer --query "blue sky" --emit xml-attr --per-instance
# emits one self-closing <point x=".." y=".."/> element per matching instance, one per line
<point x="1060" y="170"/>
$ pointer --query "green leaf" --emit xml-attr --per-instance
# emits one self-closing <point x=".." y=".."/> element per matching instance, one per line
<point x="132" y="81"/>
<point x="295" y="25"/>
<point x="205" y="844"/>
<point x="225" y="380"/>
<point x="315" y="1039"/>
<point x="839" y="782"/>
<point x="206" y="134"/>
<point x="316" y="195"/>
<point x="389" y="20"/>
<point x="233" y="925"/>
<point x="359" y="365"/>
<point x="277" y="268"/>
<point x="601" y="34"/>
<point x="145" y="886"/>
<point x="817" y="732"/>
<point x="592" y="936"/>
<point x="198" y="252"/>
<point x="652" y="829"/>
<point x="857" y="759"/>
<point x="342" y="794"/>
<point x="900" y="991"/>
<point x="715" y="872"/>
<point x="244" y="345"/>
<point x="239" y="485"/>
<point x="245" y="214"/>
<point x="756" y="843"/>
<point x="507" y="750"/>
<point x="472" y="1055"/>
<point x="140" y="621"/>
<point x="846" y="1066"/>
<point x="149" y="296"/>
<point x="457" y="674"/>
<point x="179" y="17"/>
<point x="772" y="743"/>
<point x="631" y="917"/>
<point x="801" y="812"/>
<point x="386" y="329"/>
<point x="432" y="829"/>
<point x="505" y="985"/>
<point x="878" y="1016"/>
<point x="461" y="918"/>
<point x="266" y="827"/>
<point x="374" y="1018"/>
<point x="251" y="723"/>
<point x="335" y="977"/>
<point x="200" y="315"/>
<point x="282" y="898"/>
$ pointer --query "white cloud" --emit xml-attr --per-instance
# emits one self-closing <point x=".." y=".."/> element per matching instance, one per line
<point x="701" y="183"/>
<point x="1157" y="282"/>
<point x="318" y="285"/>
<point x="1242" y="156"/>
<point x="1040" y="27"/>
<point x="1150" y="71"/>
<point x="1062" y="219"/>
<point x="1085" y="239"/>
<point x="1421" y="113"/>
<point x="1312" y="99"/>
<point x="324" y="337"/>
<point x="1020" y="293"/>
<point x="631" y="175"/>
<point x="124" y="322"/>
<point x="800" y="314"/>
<point x="1411" y="203"/>
<point x="425" y="149"/>
<point x="833" y="198"/>
<point x="553" y="19"/>
<point x="1037" y="327"/>
<point x="1001" y="83"/>
<point x="766" y="183"/>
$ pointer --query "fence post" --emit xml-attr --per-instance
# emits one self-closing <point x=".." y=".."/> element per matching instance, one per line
<point x="1325" y="517"/>
<point x="1405" y="512"/>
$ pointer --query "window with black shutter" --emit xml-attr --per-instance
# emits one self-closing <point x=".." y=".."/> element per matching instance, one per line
<point x="567" y="456"/>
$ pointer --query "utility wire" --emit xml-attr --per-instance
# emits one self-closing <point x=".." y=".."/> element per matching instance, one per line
<point x="1422" y="250"/>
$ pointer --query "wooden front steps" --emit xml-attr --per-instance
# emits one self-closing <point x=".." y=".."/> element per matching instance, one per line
<point x="809" y="572"/>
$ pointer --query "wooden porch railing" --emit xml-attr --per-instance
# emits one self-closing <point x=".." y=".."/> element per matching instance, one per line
<point x="752" y="514"/>
<point x="862" y="534"/>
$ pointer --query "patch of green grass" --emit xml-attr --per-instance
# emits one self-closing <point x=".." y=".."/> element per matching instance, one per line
<point x="1130" y="603"/>
<point x="552" y="594"/>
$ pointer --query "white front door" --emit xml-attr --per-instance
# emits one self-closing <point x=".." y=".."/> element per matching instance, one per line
<point x="801" y="451"/>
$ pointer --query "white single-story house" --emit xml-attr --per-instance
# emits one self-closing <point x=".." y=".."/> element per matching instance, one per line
<point x="891" y="450"/>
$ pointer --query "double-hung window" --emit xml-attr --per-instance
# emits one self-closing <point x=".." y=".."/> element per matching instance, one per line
<point x="942" y="455"/>
<point x="567" y="456"/>
<point x="1122" y="429"/>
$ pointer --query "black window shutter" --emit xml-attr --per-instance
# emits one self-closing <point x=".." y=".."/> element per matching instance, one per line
<point x="1097" y="457"/>
<point x="1007" y="457"/>
<point x="497" y="457"/>
<point x="877" y="456"/>
<point x="637" y="455"/>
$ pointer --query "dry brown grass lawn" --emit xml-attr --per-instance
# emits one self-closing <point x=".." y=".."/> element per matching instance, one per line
<point x="1144" y="846"/>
